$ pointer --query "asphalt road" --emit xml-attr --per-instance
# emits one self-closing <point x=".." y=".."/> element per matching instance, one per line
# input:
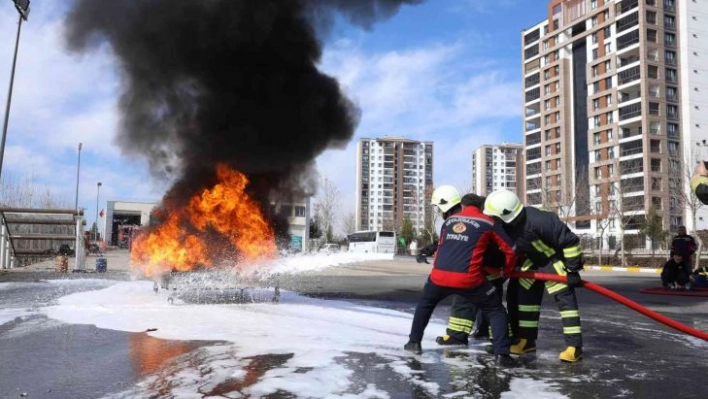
<point x="627" y="354"/>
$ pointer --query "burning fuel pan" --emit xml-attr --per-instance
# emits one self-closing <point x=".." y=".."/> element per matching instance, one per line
<point x="218" y="287"/>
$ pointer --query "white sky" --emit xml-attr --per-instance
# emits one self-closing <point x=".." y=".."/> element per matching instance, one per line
<point x="315" y="331"/>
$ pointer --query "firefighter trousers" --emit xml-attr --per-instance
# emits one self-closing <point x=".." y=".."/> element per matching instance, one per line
<point x="530" y="296"/>
<point x="465" y="317"/>
<point x="483" y="297"/>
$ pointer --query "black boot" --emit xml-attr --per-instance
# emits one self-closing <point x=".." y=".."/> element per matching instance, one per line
<point x="505" y="361"/>
<point x="447" y="340"/>
<point x="413" y="347"/>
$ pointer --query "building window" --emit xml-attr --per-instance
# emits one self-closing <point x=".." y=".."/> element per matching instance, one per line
<point x="655" y="165"/>
<point x="300" y="211"/>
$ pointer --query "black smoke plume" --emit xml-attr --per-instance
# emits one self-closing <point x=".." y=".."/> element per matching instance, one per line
<point x="225" y="81"/>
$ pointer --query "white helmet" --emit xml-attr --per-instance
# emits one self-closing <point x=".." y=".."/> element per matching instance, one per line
<point x="503" y="204"/>
<point x="445" y="197"/>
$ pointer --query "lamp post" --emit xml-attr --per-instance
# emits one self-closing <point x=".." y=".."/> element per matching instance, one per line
<point x="22" y="7"/>
<point x="98" y="190"/>
<point x="77" y="245"/>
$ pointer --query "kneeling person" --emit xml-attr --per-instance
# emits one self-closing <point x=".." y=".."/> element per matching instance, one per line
<point x="457" y="270"/>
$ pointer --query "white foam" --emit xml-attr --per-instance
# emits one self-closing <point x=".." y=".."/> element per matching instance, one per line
<point x="316" y="333"/>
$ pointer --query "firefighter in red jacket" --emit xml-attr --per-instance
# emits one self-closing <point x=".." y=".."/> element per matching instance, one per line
<point x="465" y="319"/>
<point x="549" y="247"/>
<point x="457" y="269"/>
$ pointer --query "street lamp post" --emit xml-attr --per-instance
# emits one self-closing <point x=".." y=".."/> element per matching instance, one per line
<point x="77" y="245"/>
<point x="22" y="7"/>
<point x="98" y="190"/>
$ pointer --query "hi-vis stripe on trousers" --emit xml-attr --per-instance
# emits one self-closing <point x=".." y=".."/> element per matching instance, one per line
<point x="530" y="298"/>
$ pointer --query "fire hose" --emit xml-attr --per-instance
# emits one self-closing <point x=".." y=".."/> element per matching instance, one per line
<point x="618" y="298"/>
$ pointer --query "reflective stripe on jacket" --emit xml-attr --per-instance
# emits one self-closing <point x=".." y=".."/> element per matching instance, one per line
<point x="543" y="238"/>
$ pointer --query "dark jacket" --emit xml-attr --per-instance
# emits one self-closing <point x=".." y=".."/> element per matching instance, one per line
<point x="543" y="238"/>
<point x="464" y="239"/>
<point x="684" y="245"/>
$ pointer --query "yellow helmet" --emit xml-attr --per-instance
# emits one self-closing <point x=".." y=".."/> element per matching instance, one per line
<point x="445" y="197"/>
<point x="503" y="204"/>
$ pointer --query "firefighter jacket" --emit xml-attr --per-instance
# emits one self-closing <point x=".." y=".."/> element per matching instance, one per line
<point x="464" y="239"/>
<point x="543" y="238"/>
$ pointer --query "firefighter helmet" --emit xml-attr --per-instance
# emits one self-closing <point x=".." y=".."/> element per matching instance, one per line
<point x="445" y="197"/>
<point x="503" y="204"/>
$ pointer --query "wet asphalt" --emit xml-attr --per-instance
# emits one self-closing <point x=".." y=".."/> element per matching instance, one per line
<point x="627" y="354"/>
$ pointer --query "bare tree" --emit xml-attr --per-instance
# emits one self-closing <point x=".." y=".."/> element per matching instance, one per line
<point x="428" y="232"/>
<point x="349" y="223"/>
<point x="25" y="192"/>
<point x="327" y="206"/>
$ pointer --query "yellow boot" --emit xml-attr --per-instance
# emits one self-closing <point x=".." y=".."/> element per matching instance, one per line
<point x="571" y="354"/>
<point x="522" y="347"/>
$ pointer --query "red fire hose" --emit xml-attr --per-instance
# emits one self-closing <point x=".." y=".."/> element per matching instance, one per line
<point x="618" y="298"/>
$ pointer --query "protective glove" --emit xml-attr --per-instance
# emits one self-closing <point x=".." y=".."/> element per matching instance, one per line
<point x="573" y="280"/>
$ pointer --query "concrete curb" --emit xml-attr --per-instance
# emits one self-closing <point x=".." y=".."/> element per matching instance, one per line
<point x="624" y="269"/>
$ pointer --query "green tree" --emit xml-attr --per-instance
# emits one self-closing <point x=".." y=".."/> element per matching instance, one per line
<point x="407" y="232"/>
<point x="329" y="235"/>
<point x="315" y="230"/>
<point x="653" y="227"/>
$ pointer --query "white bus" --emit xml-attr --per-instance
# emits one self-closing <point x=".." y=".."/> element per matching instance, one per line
<point x="373" y="241"/>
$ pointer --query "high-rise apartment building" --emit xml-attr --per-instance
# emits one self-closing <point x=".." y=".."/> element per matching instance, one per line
<point x="608" y="110"/>
<point x="394" y="178"/>
<point x="498" y="166"/>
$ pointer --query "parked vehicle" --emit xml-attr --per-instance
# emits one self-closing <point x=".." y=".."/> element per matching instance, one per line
<point x="373" y="241"/>
<point x="330" y="248"/>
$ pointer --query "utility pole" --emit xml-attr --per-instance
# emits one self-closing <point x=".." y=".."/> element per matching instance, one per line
<point x="77" y="245"/>
<point x="95" y="233"/>
<point x="22" y="7"/>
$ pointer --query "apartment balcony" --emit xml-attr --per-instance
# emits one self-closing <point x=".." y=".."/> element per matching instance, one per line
<point x="533" y="109"/>
<point x="628" y="58"/>
<point x="629" y="94"/>
<point x="533" y="139"/>
<point x="627" y="5"/>
<point x="627" y="132"/>
<point x="627" y="40"/>
<point x="627" y="22"/>
<point x="532" y="80"/>
<point x="533" y="124"/>
<point x="533" y="94"/>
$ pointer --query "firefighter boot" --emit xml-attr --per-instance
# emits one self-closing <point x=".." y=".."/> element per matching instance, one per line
<point x="505" y="361"/>
<point x="447" y="340"/>
<point x="413" y="347"/>
<point x="522" y="347"/>
<point x="571" y="354"/>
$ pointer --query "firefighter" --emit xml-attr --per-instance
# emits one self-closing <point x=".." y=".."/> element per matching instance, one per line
<point x="457" y="269"/>
<point x="549" y="247"/>
<point x="465" y="319"/>
<point x="699" y="182"/>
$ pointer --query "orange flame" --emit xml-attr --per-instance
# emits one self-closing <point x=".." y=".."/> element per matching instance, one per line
<point x="186" y="240"/>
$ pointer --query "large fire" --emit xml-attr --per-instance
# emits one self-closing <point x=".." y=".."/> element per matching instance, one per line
<point x="218" y="223"/>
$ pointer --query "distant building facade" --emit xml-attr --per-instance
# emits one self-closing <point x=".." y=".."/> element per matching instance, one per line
<point x="394" y="181"/>
<point x="498" y="166"/>
<point x="615" y="98"/>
